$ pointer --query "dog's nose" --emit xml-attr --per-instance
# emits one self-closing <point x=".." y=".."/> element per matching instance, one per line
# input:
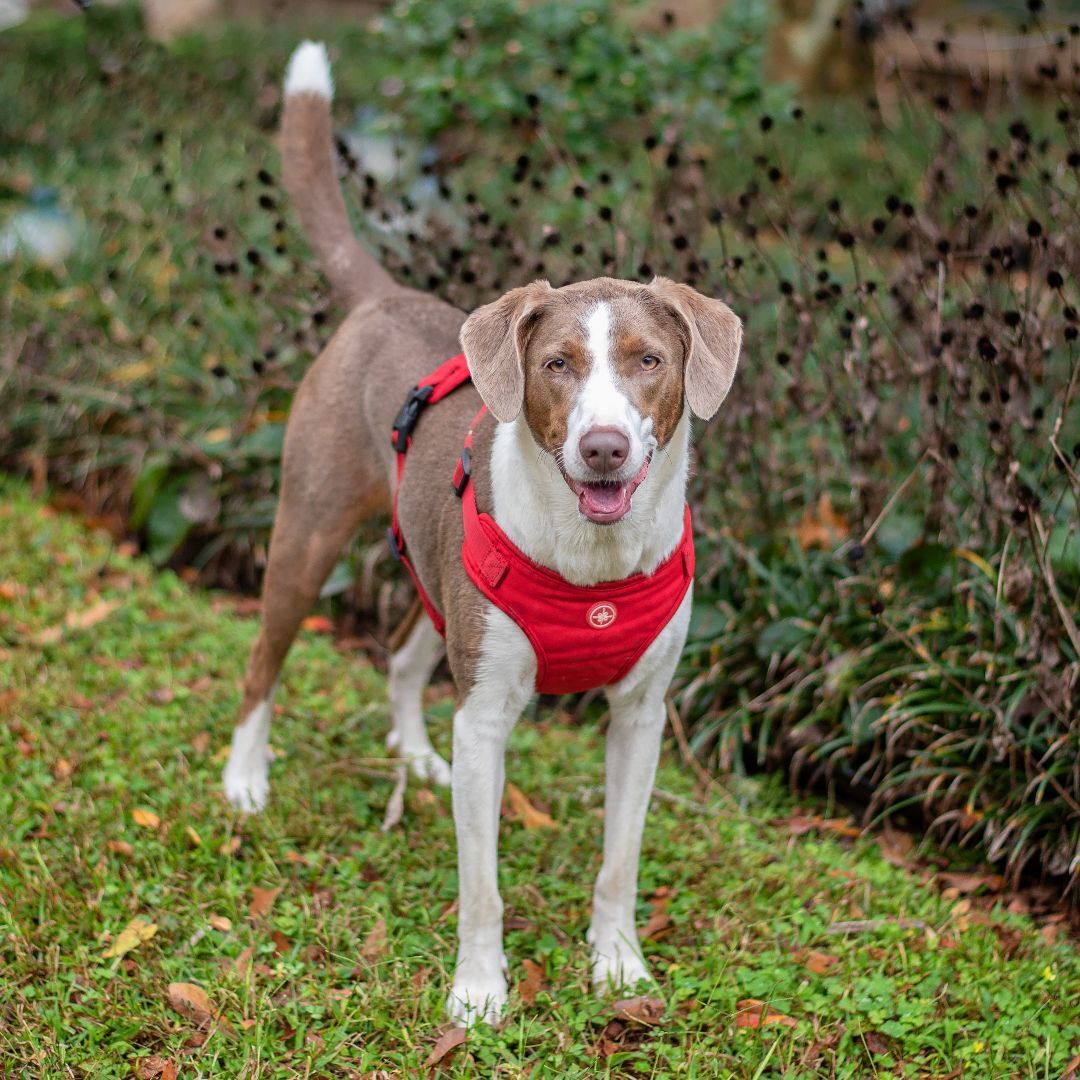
<point x="604" y="449"/>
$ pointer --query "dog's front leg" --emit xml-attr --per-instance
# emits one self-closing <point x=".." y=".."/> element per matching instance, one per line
<point x="633" y="748"/>
<point x="481" y="727"/>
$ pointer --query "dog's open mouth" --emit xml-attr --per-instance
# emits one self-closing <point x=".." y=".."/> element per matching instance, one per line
<point x="605" y="503"/>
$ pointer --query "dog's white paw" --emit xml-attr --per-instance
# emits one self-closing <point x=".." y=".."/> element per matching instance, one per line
<point x="246" y="779"/>
<point x="247" y="785"/>
<point x="617" y="962"/>
<point x="425" y="763"/>
<point x="478" y="996"/>
<point x="430" y="767"/>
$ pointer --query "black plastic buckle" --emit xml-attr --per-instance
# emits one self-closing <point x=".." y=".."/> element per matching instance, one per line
<point x="409" y="415"/>
<point x="462" y="473"/>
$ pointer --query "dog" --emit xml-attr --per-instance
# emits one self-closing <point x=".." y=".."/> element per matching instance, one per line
<point x="578" y="418"/>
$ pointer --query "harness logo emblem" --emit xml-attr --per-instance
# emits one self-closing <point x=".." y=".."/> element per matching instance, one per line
<point x="602" y="615"/>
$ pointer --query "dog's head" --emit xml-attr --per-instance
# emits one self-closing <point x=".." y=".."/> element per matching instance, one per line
<point x="603" y="371"/>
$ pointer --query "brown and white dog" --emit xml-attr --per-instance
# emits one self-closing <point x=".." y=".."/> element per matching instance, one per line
<point x="584" y="467"/>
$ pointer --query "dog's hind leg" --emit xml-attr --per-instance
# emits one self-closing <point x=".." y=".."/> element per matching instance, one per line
<point x="410" y="669"/>
<point x="301" y="558"/>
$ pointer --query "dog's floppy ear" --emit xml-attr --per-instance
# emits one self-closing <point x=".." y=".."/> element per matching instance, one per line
<point x="714" y="334"/>
<point x="493" y="339"/>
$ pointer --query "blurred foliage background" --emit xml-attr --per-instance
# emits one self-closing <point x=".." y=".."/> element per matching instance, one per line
<point x="887" y="506"/>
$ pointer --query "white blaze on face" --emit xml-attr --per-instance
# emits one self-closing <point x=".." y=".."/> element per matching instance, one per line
<point x="601" y="403"/>
<point x="600" y="399"/>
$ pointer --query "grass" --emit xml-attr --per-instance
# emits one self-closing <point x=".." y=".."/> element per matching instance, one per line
<point x="119" y="686"/>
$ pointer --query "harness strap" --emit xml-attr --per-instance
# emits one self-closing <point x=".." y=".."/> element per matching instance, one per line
<point x="444" y="380"/>
<point x="463" y="469"/>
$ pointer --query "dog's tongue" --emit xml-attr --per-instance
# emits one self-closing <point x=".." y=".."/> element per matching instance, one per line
<point x="604" y="502"/>
<point x="607" y="503"/>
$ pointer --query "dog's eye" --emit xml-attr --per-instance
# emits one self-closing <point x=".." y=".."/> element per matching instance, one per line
<point x="650" y="363"/>
<point x="558" y="364"/>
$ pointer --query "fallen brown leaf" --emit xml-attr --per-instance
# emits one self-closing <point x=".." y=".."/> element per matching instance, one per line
<point x="425" y="797"/>
<point x="821" y="526"/>
<point x="146" y="818"/>
<point x="659" y="924"/>
<point x="282" y="944"/>
<point x="841" y="827"/>
<point x="532" y="982"/>
<point x="78" y="620"/>
<point x="120" y="847"/>
<point x="243" y="962"/>
<point x="801" y="824"/>
<point x="818" y="962"/>
<point x="607" y="1046"/>
<point x="1049" y="933"/>
<point x="448" y="1042"/>
<point x="91" y="616"/>
<point x="10" y="590"/>
<point x="971" y="883"/>
<point x="752" y="1013"/>
<point x="131" y="937"/>
<point x="262" y="900"/>
<point x="1072" y="1070"/>
<point x="191" y="1001"/>
<point x="643" y="1010"/>
<point x="875" y="1043"/>
<point x="896" y="847"/>
<point x="375" y="943"/>
<point x="522" y="809"/>
<point x="155" y="1067"/>
<point x="219" y="922"/>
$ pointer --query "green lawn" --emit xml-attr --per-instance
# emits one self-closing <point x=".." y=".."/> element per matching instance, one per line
<point x="117" y="688"/>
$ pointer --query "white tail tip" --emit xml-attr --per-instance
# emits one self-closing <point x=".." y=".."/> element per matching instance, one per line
<point x="309" y="71"/>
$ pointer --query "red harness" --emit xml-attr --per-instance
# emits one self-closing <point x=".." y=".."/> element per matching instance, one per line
<point x="583" y="636"/>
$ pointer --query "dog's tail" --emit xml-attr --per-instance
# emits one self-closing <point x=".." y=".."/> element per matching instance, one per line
<point x="310" y="174"/>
